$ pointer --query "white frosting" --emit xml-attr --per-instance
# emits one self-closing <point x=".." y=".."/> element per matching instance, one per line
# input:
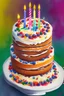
<point x="35" y="41"/>
<point x="36" y="54"/>
<point x="37" y="68"/>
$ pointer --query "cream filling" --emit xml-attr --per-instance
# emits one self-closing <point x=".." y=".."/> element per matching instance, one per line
<point x="35" y="55"/>
<point x="42" y="67"/>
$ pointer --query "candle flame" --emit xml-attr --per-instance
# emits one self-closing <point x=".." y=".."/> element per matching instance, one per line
<point x="39" y="7"/>
<point x="18" y="16"/>
<point x="29" y="4"/>
<point x="24" y="7"/>
<point x="34" y="7"/>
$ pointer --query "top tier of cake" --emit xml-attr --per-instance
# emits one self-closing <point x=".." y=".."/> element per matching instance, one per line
<point x="33" y="35"/>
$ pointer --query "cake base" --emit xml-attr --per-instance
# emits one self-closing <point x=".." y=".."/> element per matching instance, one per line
<point x="35" y="90"/>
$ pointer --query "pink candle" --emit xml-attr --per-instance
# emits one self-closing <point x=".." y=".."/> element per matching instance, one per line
<point x="30" y="13"/>
<point x="38" y="14"/>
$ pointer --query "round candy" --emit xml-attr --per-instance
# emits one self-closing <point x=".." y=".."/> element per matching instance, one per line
<point x="18" y="34"/>
<point x="47" y="24"/>
<point x="26" y="35"/>
<point x="35" y="83"/>
<point x="44" y="33"/>
<point x="30" y="83"/>
<point x="50" y="79"/>
<point x="22" y="35"/>
<point x="30" y="37"/>
<point x="33" y="77"/>
<point x="25" y="62"/>
<point x="54" y="66"/>
<point x="48" y="27"/>
<point x="14" y="56"/>
<point x="41" y="33"/>
<point x="10" y="75"/>
<point x="46" y="30"/>
<point x="33" y="62"/>
<point x="11" y="70"/>
<point x="12" y="49"/>
<point x="23" y="20"/>
<point x="10" y="63"/>
<point x="14" y="71"/>
<point x="15" y="78"/>
<point x="21" y="60"/>
<point x="44" y="26"/>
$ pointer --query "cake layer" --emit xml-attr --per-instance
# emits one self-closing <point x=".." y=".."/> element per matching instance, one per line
<point x="31" y="57"/>
<point x="32" y="53"/>
<point x="20" y="44"/>
<point x="38" y="80"/>
<point x="32" y="49"/>
<point x="27" y="36"/>
<point x="31" y="65"/>
<point x="32" y="72"/>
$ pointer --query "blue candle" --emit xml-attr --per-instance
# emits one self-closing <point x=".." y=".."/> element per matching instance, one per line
<point x="24" y="16"/>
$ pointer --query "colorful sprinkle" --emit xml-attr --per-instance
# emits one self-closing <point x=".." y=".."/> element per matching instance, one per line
<point x="15" y="76"/>
<point x="14" y="56"/>
<point x="44" y="26"/>
<point x="33" y="62"/>
<point x="27" y="35"/>
<point x="10" y="75"/>
<point x="44" y="33"/>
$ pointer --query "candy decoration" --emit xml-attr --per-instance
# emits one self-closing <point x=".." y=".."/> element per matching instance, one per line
<point x="39" y="16"/>
<point x="35" y="83"/>
<point x="33" y="62"/>
<point x="10" y="75"/>
<point x="30" y="13"/>
<point x="24" y="16"/>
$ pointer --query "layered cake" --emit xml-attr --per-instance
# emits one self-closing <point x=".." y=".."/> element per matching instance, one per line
<point x="33" y="50"/>
<point x="32" y="53"/>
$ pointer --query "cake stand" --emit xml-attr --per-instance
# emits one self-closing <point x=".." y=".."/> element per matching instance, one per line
<point x="39" y="90"/>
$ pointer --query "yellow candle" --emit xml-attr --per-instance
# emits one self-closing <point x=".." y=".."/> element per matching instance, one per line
<point x="19" y="21"/>
<point x="39" y="16"/>
<point x="39" y="7"/>
<point x="29" y="4"/>
<point x="24" y="7"/>
<point x="34" y="12"/>
<point x="18" y="16"/>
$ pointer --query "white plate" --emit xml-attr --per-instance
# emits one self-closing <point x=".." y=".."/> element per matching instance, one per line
<point x="39" y="90"/>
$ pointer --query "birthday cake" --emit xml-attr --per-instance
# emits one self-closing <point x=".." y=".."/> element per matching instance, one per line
<point x="32" y="53"/>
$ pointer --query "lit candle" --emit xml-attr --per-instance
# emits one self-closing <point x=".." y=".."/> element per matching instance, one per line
<point x="30" y="13"/>
<point x="24" y="16"/>
<point x="34" y="17"/>
<point x="18" y="17"/>
<point x="39" y="16"/>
